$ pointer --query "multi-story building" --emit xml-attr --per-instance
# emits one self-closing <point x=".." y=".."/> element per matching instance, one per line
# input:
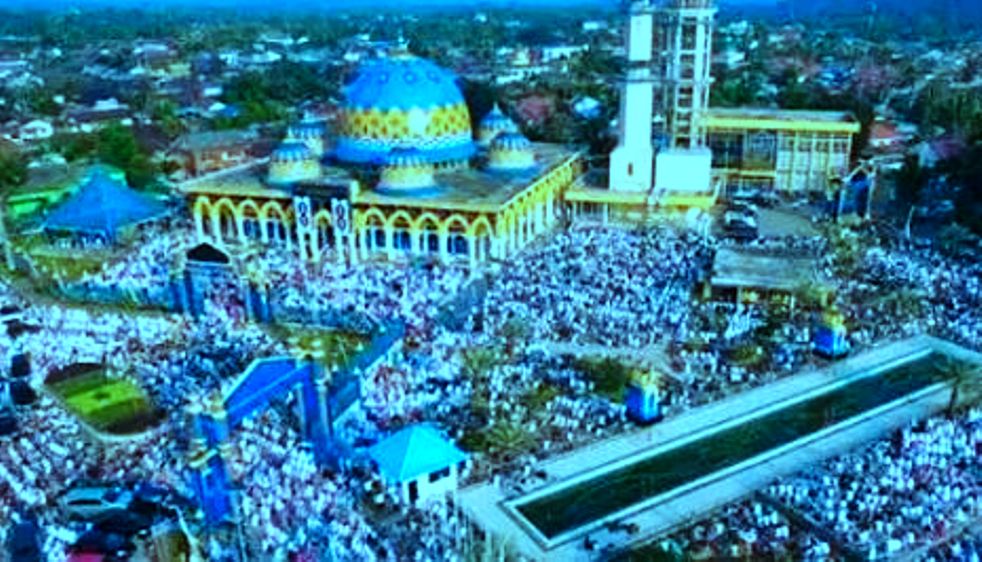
<point x="779" y="150"/>
<point x="701" y="153"/>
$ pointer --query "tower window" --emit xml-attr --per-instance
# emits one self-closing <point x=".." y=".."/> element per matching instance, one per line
<point x="630" y="169"/>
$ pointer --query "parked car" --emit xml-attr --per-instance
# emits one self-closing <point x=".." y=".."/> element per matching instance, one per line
<point x="89" y="503"/>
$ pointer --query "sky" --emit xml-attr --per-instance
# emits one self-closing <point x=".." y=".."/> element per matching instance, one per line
<point x="319" y="4"/>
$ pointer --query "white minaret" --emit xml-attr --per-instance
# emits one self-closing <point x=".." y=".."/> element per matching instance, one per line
<point x="632" y="162"/>
<point x="685" y="29"/>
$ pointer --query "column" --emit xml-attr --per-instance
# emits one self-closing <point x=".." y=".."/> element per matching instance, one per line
<point x="199" y="223"/>
<point x="443" y="245"/>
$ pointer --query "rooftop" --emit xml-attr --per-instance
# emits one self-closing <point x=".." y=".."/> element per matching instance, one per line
<point x="476" y="190"/>
<point x="212" y="139"/>
<point x="752" y="269"/>
<point x="413" y="452"/>
<point x="782" y="119"/>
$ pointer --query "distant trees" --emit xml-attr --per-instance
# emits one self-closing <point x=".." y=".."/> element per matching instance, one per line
<point x="965" y="172"/>
<point x="114" y="145"/>
<point x="117" y="146"/>
<point x="958" y="110"/>
<point x="264" y="97"/>
<point x="13" y="168"/>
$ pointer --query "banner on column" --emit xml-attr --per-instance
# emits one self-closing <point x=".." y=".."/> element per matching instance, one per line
<point x="341" y="213"/>
<point x="302" y="208"/>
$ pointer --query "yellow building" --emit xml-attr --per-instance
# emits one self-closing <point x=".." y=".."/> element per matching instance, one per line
<point x="780" y="150"/>
<point x="405" y="180"/>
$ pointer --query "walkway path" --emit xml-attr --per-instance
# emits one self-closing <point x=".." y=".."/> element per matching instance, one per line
<point x="485" y="503"/>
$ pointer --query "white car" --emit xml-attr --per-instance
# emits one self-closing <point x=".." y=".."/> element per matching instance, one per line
<point x="90" y="503"/>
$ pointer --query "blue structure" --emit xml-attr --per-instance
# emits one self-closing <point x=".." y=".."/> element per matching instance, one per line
<point x="402" y="101"/>
<point x="643" y="399"/>
<point x="102" y="207"/>
<point x="830" y="339"/>
<point x="419" y="460"/>
<point x="322" y="398"/>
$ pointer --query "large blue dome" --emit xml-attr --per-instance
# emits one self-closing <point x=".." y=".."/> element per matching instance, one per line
<point x="402" y="82"/>
<point x="404" y="102"/>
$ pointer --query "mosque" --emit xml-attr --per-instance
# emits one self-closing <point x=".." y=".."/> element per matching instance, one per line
<point x="404" y="176"/>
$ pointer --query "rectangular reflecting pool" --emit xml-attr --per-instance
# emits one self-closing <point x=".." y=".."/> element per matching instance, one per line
<point x="608" y="493"/>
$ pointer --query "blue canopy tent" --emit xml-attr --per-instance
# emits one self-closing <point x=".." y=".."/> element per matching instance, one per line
<point x="101" y="208"/>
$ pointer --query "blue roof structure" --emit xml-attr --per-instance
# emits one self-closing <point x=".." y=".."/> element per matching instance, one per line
<point x="292" y="151"/>
<point x="403" y="82"/>
<point x="103" y="205"/>
<point x="496" y="120"/>
<point x="413" y="452"/>
<point x="403" y="101"/>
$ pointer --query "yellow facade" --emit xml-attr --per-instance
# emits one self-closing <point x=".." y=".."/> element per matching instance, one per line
<point x="785" y="151"/>
<point x="240" y="216"/>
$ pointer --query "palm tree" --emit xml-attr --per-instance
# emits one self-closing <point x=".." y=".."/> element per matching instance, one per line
<point x="965" y="379"/>
<point x="509" y="439"/>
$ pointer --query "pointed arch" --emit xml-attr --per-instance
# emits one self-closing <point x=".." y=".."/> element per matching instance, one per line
<point x="202" y="212"/>
<point x="276" y="223"/>
<point x="225" y="218"/>
<point x="482" y="240"/>
<point x="251" y="220"/>
<point x="428" y="232"/>
<point x="401" y="232"/>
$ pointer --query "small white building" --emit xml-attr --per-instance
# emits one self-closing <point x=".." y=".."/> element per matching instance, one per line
<point x="419" y="462"/>
<point x="36" y="130"/>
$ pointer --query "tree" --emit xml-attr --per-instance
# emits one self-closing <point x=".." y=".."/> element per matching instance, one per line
<point x="13" y="168"/>
<point x="965" y="379"/>
<point x="13" y="172"/>
<point x="165" y="114"/>
<point x="954" y="236"/>
<point x="116" y="145"/>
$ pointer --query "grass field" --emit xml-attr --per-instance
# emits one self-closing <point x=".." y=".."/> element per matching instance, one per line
<point x="111" y="405"/>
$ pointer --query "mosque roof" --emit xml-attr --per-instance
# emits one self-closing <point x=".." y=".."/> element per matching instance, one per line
<point x="413" y="452"/>
<point x="402" y="82"/>
<point x="511" y="141"/>
<point x="404" y="101"/>
<point x="497" y="120"/>
<point x="292" y="152"/>
<point x="307" y="129"/>
<point x="103" y="205"/>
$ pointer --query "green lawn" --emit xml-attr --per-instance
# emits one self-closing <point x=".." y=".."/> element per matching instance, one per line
<point x="111" y="405"/>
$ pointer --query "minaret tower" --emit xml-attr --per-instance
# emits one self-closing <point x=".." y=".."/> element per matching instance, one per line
<point x="685" y="52"/>
<point x="632" y="162"/>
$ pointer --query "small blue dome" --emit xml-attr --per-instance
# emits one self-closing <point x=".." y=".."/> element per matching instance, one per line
<point x="404" y="82"/>
<point x="292" y="152"/>
<point x="498" y="121"/>
<point x="511" y="141"/>
<point x="307" y="130"/>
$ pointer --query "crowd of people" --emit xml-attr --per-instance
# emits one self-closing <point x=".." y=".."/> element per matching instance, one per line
<point x="898" y="292"/>
<point x="746" y="530"/>
<point x="586" y="287"/>
<point x="613" y="287"/>
<point x="899" y="495"/>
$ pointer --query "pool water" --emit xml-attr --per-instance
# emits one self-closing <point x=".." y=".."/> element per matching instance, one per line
<point x="608" y="493"/>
